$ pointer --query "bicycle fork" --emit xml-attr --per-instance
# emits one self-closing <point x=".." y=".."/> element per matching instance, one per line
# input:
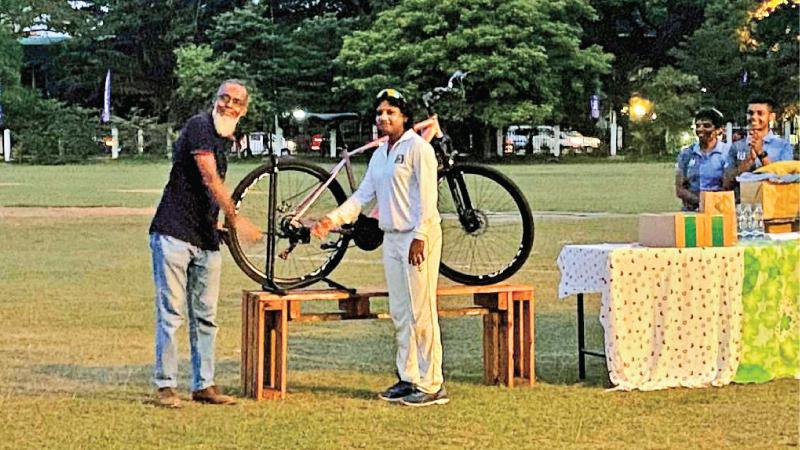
<point x="461" y="200"/>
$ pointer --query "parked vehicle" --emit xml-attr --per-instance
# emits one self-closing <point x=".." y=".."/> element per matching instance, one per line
<point x="256" y="144"/>
<point x="316" y="142"/>
<point x="578" y="142"/>
<point x="525" y="139"/>
<point x="517" y="138"/>
<point x="544" y="139"/>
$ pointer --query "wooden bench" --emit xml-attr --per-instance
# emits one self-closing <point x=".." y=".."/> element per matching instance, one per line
<point x="508" y="330"/>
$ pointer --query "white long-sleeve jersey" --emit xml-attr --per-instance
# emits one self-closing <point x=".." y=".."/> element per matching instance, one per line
<point x="404" y="181"/>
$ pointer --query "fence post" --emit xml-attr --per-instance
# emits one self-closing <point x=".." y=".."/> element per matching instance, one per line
<point x="140" y="141"/>
<point x="557" y="140"/>
<point x="500" y="142"/>
<point x="7" y="145"/>
<point x="169" y="141"/>
<point x="333" y="143"/>
<point x="114" y="143"/>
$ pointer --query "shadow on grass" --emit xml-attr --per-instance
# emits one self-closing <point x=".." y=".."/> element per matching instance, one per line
<point x="360" y="347"/>
<point x="336" y="390"/>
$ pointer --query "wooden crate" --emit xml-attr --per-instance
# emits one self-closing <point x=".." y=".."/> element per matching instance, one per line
<point x="508" y="331"/>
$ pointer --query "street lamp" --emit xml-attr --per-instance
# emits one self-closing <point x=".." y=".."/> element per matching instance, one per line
<point x="299" y="115"/>
<point x="640" y="108"/>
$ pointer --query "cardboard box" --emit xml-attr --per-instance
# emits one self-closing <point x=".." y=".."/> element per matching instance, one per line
<point x="721" y="202"/>
<point x="672" y="230"/>
<point x="714" y="230"/>
<point x="782" y="227"/>
<point x="682" y="230"/>
<point x="778" y="201"/>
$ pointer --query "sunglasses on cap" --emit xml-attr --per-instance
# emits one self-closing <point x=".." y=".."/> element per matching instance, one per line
<point x="391" y="93"/>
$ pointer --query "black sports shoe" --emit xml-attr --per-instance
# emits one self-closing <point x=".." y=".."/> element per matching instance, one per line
<point x="397" y="391"/>
<point x="419" y="398"/>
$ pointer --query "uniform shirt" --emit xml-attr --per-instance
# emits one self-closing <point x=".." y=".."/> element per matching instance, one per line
<point x="704" y="171"/>
<point x="777" y="149"/>
<point x="187" y="211"/>
<point x="404" y="181"/>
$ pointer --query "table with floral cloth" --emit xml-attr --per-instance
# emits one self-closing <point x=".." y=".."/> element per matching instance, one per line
<point x="676" y="317"/>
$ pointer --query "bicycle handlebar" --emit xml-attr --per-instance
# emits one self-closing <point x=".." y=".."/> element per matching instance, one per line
<point x="454" y="83"/>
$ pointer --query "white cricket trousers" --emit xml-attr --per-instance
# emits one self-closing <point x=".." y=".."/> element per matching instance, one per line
<point x="412" y="306"/>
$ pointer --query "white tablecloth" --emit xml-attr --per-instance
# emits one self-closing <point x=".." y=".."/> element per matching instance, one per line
<point x="584" y="268"/>
<point x="671" y="317"/>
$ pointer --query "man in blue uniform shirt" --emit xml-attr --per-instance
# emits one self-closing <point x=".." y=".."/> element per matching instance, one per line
<point x="762" y="146"/>
<point x="701" y="166"/>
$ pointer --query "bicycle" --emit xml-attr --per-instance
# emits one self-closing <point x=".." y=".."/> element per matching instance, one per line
<point x="487" y="225"/>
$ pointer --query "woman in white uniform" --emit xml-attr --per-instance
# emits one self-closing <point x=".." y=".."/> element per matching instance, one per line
<point x="402" y="175"/>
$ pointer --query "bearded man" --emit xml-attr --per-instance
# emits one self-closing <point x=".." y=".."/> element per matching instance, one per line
<point x="185" y="246"/>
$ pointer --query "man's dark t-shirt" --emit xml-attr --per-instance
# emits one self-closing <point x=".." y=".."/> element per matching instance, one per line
<point x="187" y="210"/>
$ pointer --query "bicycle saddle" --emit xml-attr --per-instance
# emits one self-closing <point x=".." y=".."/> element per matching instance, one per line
<point x="366" y="233"/>
<point x="326" y="117"/>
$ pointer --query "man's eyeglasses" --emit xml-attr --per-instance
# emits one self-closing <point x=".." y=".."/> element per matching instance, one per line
<point x="226" y="99"/>
<point x="392" y="93"/>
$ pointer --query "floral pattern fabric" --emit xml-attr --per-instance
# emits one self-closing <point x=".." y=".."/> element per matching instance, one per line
<point x="584" y="268"/>
<point x="771" y="303"/>
<point x="672" y="317"/>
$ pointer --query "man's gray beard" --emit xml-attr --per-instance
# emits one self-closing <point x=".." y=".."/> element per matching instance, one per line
<point x="224" y="125"/>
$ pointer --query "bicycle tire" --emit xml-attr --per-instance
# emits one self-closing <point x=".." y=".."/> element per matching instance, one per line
<point x="295" y="180"/>
<point x="502" y="209"/>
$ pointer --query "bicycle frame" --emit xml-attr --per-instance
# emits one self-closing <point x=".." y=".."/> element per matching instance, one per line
<point x="428" y="129"/>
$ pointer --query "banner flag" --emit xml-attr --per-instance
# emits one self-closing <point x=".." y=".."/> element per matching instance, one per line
<point x="106" y="115"/>
<point x="594" y="107"/>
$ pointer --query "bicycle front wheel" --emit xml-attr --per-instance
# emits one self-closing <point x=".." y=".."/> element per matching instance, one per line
<point x="487" y="225"/>
<point x="300" y="259"/>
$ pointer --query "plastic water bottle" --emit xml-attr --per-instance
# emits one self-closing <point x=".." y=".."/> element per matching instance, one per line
<point x="758" y="221"/>
<point x="743" y="219"/>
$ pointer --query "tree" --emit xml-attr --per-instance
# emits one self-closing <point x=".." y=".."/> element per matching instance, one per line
<point x="296" y="11"/>
<point x="198" y="73"/>
<point x="136" y="40"/>
<point x="640" y="34"/>
<point x="290" y="67"/>
<point x="10" y="59"/>
<point x="525" y="60"/>
<point x="771" y="55"/>
<point x="43" y="15"/>
<point x="712" y="54"/>
<point x="675" y="96"/>
<point x="738" y="52"/>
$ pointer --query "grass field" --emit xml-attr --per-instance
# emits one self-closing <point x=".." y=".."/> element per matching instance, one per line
<point x="76" y="345"/>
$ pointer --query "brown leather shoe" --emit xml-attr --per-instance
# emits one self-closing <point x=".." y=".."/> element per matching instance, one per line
<point x="167" y="398"/>
<point x="212" y="396"/>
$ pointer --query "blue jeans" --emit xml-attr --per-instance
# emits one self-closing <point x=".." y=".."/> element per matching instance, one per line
<point x="185" y="277"/>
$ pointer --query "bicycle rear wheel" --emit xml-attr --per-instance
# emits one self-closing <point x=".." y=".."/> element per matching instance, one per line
<point x="308" y="261"/>
<point x="487" y="225"/>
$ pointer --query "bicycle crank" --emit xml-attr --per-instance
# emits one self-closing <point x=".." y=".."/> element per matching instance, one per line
<point x="295" y="235"/>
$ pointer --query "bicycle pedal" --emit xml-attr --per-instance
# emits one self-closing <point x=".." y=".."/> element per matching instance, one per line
<point x="328" y="245"/>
